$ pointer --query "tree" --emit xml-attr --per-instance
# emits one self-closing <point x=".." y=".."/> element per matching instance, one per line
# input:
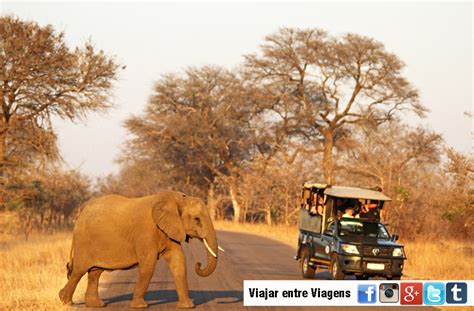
<point x="40" y="77"/>
<point x="198" y="129"/>
<point x="381" y="154"/>
<point x="48" y="198"/>
<point x="68" y="190"/>
<point x="29" y="201"/>
<point x="458" y="206"/>
<point x="317" y="85"/>
<point x="404" y="162"/>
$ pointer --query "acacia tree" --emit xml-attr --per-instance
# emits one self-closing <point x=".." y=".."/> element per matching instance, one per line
<point x="198" y="128"/>
<point x="317" y="85"/>
<point x="401" y="160"/>
<point x="381" y="154"/>
<point x="41" y="77"/>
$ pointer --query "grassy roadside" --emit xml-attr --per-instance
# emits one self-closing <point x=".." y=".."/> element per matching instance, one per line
<point x="32" y="272"/>
<point x="435" y="260"/>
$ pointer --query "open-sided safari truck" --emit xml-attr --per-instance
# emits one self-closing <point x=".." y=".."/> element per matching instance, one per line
<point x="340" y="228"/>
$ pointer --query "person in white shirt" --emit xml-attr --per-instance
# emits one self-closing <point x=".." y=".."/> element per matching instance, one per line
<point x="348" y="213"/>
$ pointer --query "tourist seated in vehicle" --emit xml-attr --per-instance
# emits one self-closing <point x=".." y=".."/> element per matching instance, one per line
<point x="318" y="207"/>
<point x="349" y="213"/>
<point x="370" y="211"/>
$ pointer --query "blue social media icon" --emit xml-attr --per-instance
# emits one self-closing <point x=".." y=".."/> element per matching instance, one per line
<point x="433" y="293"/>
<point x="456" y="292"/>
<point x="366" y="293"/>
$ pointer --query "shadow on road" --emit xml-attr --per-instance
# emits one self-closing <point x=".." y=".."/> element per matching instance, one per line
<point x="199" y="297"/>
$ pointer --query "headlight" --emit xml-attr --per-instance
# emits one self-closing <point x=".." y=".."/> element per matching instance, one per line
<point x="398" y="252"/>
<point x="350" y="249"/>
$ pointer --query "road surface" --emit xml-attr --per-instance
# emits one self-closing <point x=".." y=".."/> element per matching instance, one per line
<point x="247" y="257"/>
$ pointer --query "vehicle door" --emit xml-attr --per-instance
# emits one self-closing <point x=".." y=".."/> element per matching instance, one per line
<point x="325" y="243"/>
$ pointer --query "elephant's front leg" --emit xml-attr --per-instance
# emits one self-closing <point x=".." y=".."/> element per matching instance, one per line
<point x="174" y="257"/>
<point x="146" y="267"/>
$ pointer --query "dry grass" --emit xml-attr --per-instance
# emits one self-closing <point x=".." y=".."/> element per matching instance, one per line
<point x="32" y="272"/>
<point x="440" y="260"/>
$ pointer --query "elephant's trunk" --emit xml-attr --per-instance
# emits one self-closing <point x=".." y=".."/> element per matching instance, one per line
<point x="210" y="242"/>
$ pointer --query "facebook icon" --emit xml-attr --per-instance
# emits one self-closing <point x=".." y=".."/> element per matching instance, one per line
<point x="366" y="293"/>
<point x="456" y="292"/>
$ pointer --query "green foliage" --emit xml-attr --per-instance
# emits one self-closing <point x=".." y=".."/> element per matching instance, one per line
<point x="403" y="193"/>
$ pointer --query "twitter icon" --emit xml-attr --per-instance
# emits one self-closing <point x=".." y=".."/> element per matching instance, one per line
<point x="433" y="293"/>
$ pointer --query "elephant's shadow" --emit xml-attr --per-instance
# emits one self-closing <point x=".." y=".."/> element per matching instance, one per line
<point x="157" y="297"/>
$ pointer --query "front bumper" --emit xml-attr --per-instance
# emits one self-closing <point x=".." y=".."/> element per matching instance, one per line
<point x="354" y="264"/>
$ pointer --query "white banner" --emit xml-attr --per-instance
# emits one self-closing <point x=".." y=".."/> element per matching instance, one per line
<point x="358" y="293"/>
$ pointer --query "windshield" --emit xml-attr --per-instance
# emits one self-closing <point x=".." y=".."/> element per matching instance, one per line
<point x="362" y="228"/>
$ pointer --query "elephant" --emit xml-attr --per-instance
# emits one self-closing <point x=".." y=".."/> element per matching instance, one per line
<point x="114" y="232"/>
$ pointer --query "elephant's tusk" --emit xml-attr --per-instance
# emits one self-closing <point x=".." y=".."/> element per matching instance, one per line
<point x="209" y="249"/>
<point x="221" y="249"/>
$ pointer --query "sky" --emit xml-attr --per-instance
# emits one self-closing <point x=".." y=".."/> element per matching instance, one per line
<point x="154" y="38"/>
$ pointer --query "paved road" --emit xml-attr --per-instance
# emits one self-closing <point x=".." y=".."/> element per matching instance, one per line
<point x="247" y="257"/>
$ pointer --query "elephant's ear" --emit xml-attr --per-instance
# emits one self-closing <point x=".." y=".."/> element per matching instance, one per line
<point x="167" y="217"/>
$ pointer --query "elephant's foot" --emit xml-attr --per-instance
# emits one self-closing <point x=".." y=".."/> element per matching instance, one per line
<point x="65" y="297"/>
<point x="185" y="304"/>
<point x="138" y="303"/>
<point x="94" y="302"/>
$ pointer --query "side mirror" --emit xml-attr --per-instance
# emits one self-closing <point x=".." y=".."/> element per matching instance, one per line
<point x="395" y="237"/>
<point x="327" y="232"/>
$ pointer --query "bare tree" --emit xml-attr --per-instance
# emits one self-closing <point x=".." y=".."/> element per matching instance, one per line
<point x="41" y="77"/>
<point x="318" y="84"/>
<point x="404" y="161"/>
<point x="382" y="153"/>
<point x="198" y="128"/>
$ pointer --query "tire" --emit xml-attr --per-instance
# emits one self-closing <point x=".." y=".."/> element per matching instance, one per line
<point x="335" y="269"/>
<point x="306" y="270"/>
<point x="362" y="277"/>
<point x="394" y="278"/>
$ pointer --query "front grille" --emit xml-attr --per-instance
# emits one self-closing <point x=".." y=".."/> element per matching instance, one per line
<point x="368" y="250"/>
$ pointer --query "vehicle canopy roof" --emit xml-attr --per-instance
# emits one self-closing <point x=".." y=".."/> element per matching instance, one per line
<point x="349" y="192"/>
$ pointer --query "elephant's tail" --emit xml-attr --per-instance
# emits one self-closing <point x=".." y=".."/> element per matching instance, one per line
<point x="69" y="264"/>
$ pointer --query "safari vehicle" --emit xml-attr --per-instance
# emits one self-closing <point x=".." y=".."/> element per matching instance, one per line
<point x="348" y="245"/>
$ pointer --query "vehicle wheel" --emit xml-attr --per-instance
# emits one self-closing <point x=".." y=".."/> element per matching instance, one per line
<point x="306" y="270"/>
<point x="394" y="278"/>
<point x="362" y="277"/>
<point x="335" y="269"/>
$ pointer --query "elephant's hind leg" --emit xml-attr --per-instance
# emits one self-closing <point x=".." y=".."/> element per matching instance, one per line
<point x="92" y="293"/>
<point x="66" y="293"/>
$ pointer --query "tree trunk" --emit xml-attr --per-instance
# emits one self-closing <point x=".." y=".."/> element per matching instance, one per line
<point x="235" y="203"/>
<point x="211" y="202"/>
<point x="327" y="155"/>
<point x="51" y="215"/>
<point x="268" y="214"/>
<point x="244" y="211"/>
<point x="286" y="205"/>
<point x="2" y="162"/>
